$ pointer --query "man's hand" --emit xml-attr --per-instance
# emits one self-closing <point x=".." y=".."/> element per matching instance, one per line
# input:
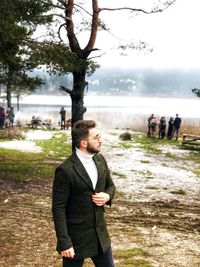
<point x="69" y="253"/>
<point x="100" y="198"/>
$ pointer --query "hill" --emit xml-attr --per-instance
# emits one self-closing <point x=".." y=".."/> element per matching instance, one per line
<point x="156" y="82"/>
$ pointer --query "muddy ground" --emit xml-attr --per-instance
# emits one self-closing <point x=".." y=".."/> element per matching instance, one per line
<point x="148" y="212"/>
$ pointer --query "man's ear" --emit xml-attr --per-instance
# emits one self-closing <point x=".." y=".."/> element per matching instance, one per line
<point x="83" y="143"/>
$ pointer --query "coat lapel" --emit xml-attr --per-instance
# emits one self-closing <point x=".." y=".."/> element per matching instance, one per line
<point x="81" y="171"/>
<point x="99" y="170"/>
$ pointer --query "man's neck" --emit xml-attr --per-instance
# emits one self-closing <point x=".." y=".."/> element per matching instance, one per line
<point x="84" y="152"/>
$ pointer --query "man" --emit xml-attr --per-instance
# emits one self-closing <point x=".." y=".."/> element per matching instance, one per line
<point x="81" y="187"/>
<point x="149" y="126"/>
<point x="62" y="118"/>
<point x="176" y="126"/>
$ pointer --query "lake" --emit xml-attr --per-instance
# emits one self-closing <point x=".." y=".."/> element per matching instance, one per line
<point x="109" y="110"/>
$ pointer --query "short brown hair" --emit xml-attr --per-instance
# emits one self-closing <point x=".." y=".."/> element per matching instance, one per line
<point x="80" y="131"/>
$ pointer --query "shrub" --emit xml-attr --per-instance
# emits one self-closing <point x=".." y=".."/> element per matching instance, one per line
<point x="11" y="133"/>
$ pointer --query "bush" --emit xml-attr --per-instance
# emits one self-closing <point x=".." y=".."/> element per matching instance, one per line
<point x="125" y="136"/>
<point x="11" y="133"/>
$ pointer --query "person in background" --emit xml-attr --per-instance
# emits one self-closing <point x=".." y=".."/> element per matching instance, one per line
<point x="81" y="188"/>
<point x="7" y="121"/>
<point x="176" y="126"/>
<point x="2" y="117"/>
<point x="162" y="127"/>
<point x="62" y="118"/>
<point x="11" y="116"/>
<point x="170" y="128"/>
<point x="149" y="127"/>
<point x="153" y="126"/>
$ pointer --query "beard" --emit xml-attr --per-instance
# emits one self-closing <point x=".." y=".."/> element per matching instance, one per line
<point x="92" y="150"/>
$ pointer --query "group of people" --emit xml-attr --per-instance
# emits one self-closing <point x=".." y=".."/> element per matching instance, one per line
<point x="6" y="117"/>
<point x="172" y="130"/>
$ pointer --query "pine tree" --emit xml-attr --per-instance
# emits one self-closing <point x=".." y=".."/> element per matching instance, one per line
<point x="18" y="21"/>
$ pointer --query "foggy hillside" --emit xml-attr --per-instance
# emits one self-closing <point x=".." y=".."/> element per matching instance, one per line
<point x="156" y="82"/>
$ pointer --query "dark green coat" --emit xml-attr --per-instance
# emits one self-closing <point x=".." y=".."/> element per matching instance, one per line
<point x="78" y="221"/>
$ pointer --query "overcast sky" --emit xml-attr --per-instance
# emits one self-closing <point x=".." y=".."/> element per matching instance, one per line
<point x="173" y="35"/>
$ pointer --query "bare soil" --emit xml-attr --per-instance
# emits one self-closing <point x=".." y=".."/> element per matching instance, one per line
<point x="145" y="214"/>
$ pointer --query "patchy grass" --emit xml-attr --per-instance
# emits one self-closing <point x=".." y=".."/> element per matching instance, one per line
<point x="152" y="187"/>
<point x="178" y="192"/>
<point x="126" y="144"/>
<point x="56" y="147"/>
<point x="171" y="156"/>
<point x="131" y="258"/>
<point x="195" y="156"/>
<point x="147" y="144"/>
<point x="145" y="161"/>
<point x="197" y="172"/>
<point x="23" y="166"/>
<point x="119" y="175"/>
<point x="146" y="173"/>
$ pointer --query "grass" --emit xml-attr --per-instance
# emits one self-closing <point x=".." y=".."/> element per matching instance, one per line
<point x="178" y="192"/>
<point x="146" y="173"/>
<point x="20" y="166"/>
<point x="143" y="142"/>
<point x="152" y="187"/>
<point x="132" y="257"/>
<point x="23" y="166"/>
<point x="147" y="144"/>
<point x="195" y="156"/>
<point x="145" y="161"/>
<point x="126" y="144"/>
<point x="56" y="147"/>
<point x="120" y="175"/>
<point x="197" y="172"/>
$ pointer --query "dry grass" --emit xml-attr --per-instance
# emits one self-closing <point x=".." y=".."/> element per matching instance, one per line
<point x="11" y="133"/>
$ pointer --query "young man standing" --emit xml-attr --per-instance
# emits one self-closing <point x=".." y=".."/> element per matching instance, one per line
<point x="81" y="187"/>
<point x="62" y="118"/>
<point x="176" y="126"/>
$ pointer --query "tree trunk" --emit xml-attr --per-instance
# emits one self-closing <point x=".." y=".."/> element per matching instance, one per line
<point x="8" y="95"/>
<point x="77" y="96"/>
<point x="18" y="101"/>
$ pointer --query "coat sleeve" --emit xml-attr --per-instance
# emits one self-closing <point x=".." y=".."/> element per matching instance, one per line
<point x="61" y="188"/>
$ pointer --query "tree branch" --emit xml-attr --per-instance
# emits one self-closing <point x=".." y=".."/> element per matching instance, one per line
<point x="91" y="58"/>
<point x="59" y="29"/>
<point x="73" y="42"/>
<point x="154" y="10"/>
<point x="67" y="90"/>
<point x="87" y="12"/>
<point x="95" y="24"/>
<point x="60" y="16"/>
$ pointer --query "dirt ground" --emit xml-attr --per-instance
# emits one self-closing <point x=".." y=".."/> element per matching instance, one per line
<point x="145" y="214"/>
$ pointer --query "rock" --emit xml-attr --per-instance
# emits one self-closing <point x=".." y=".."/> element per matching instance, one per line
<point x="125" y="136"/>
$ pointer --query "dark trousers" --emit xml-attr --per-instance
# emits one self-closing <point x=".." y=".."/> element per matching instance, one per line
<point x="100" y="260"/>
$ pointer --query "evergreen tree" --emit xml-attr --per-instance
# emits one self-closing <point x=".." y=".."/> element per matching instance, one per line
<point x="196" y="92"/>
<point x="18" y="21"/>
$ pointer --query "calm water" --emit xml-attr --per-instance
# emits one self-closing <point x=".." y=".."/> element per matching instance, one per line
<point x="110" y="110"/>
